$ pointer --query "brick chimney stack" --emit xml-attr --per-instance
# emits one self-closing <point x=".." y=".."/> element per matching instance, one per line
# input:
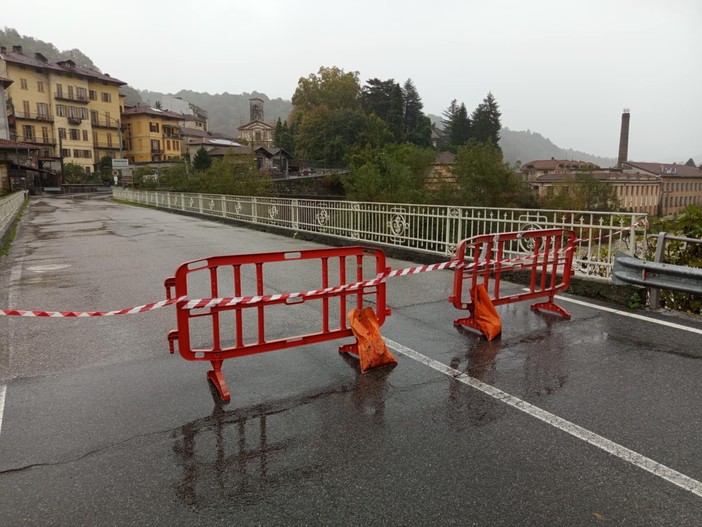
<point x="624" y="139"/>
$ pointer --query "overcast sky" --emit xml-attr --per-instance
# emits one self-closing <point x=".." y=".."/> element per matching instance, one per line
<point x="562" y="68"/>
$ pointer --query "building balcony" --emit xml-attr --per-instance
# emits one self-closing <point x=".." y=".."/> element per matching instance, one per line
<point x="102" y="122"/>
<point x="74" y="98"/>
<point x="33" y="140"/>
<point x="102" y="145"/>
<point x="75" y="120"/>
<point x="157" y="150"/>
<point x="44" y="117"/>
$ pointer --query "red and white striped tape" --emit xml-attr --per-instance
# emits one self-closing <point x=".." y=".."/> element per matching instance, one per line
<point x="88" y="314"/>
<point x="205" y="303"/>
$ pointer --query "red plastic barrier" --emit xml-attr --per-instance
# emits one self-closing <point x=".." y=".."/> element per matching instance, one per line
<point x="547" y="254"/>
<point x="218" y="330"/>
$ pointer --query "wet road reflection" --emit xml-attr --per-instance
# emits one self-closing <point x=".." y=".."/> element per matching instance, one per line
<point x="235" y="456"/>
<point x="537" y="359"/>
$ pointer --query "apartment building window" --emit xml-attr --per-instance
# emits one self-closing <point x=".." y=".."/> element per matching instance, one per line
<point x="65" y="152"/>
<point x="62" y="133"/>
<point x="45" y="134"/>
<point x="153" y="127"/>
<point x="25" y="108"/>
<point x="70" y="92"/>
<point x="59" y="90"/>
<point x="168" y="144"/>
<point x="94" y="117"/>
<point x="93" y="95"/>
<point x="95" y="138"/>
<point x="61" y="110"/>
<point x="42" y="110"/>
<point x="28" y="132"/>
<point x="40" y="86"/>
<point x="72" y="112"/>
<point x="107" y="118"/>
<point x="109" y="139"/>
<point x="75" y="134"/>
<point x="106" y="97"/>
<point x="82" y="93"/>
<point x="23" y="84"/>
<point x="155" y="145"/>
<point x="83" y="113"/>
<point x="85" y="135"/>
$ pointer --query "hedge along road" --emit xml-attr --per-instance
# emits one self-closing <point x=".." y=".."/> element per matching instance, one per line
<point x="594" y="420"/>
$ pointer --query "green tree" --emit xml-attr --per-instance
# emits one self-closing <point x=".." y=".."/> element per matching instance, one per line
<point x="74" y="173"/>
<point x="283" y="137"/>
<point x="485" y="121"/>
<point x="328" y="116"/>
<point x="485" y="180"/>
<point x="202" y="160"/>
<point x="457" y="126"/>
<point x="233" y="175"/>
<point x="104" y="170"/>
<point x="395" y="173"/>
<point x="145" y="178"/>
<point x="417" y="125"/>
<point x="330" y="87"/>
<point x="385" y="99"/>
<point x="583" y="192"/>
<point x="174" y="177"/>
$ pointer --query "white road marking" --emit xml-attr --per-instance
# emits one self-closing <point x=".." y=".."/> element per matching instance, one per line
<point x="631" y="315"/>
<point x="634" y="458"/>
<point x="3" y="389"/>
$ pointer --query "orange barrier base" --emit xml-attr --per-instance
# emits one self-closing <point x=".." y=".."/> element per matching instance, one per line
<point x="370" y="346"/>
<point x="216" y="376"/>
<point x="484" y="317"/>
<point x="550" y="306"/>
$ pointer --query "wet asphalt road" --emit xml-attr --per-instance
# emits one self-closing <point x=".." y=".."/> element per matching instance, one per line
<point x="101" y="426"/>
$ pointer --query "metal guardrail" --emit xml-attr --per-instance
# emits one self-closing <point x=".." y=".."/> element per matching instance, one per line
<point x="9" y="206"/>
<point x="657" y="275"/>
<point x="433" y="229"/>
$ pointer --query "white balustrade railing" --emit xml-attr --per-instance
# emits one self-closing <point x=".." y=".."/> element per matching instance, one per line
<point x="433" y="229"/>
<point x="9" y="205"/>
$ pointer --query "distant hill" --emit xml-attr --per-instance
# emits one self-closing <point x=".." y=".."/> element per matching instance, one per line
<point x="528" y="146"/>
<point x="227" y="111"/>
<point x="10" y="37"/>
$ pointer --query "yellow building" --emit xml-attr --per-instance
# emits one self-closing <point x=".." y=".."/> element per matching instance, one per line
<point x="151" y="135"/>
<point x="71" y="112"/>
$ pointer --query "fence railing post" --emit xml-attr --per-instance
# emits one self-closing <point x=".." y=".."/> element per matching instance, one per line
<point x="654" y="294"/>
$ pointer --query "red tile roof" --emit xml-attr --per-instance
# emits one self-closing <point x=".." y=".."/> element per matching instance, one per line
<point x="445" y="158"/>
<point x="10" y="145"/>
<point x="611" y="176"/>
<point x="147" y="110"/>
<point x="553" y="164"/>
<point x="664" y="169"/>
